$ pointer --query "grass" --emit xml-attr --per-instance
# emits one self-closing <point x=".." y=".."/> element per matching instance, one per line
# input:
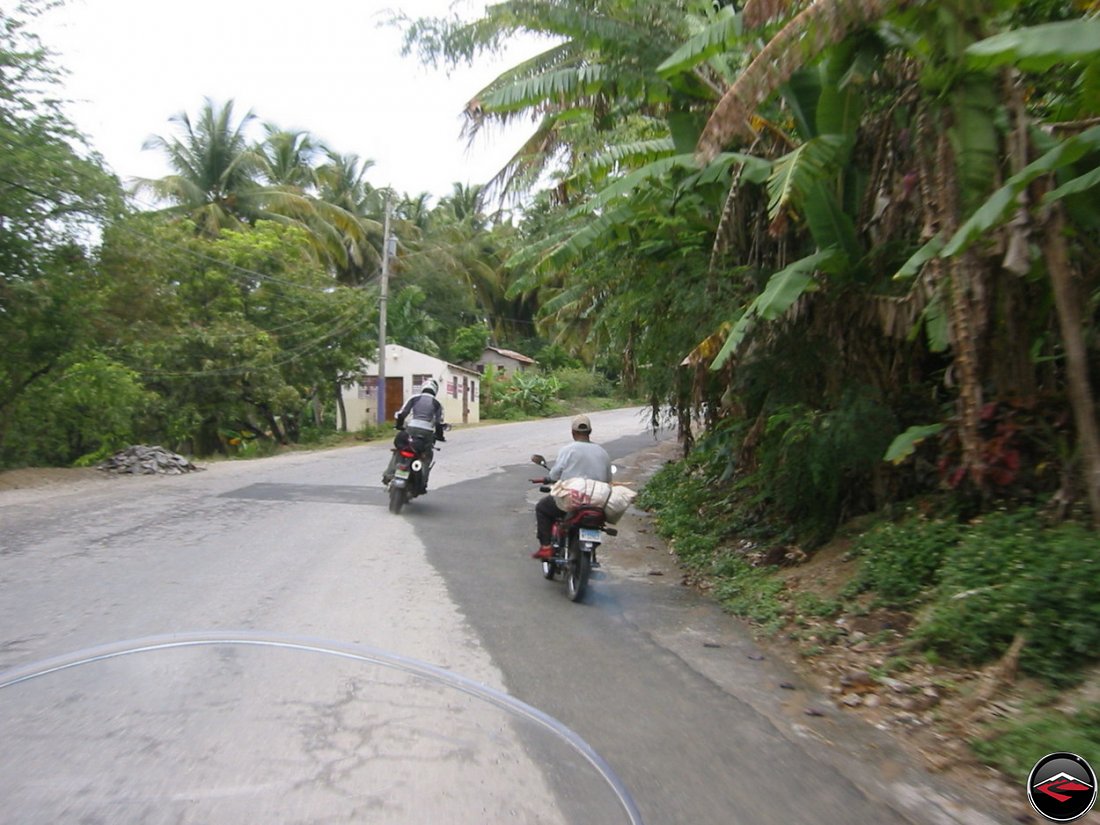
<point x="1013" y="746"/>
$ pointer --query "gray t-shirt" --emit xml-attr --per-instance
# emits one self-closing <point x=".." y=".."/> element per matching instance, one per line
<point x="582" y="459"/>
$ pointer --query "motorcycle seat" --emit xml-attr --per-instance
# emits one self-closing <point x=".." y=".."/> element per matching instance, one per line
<point x="586" y="517"/>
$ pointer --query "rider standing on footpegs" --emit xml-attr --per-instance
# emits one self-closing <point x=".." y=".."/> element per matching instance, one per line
<point x="580" y="459"/>
<point x="424" y="428"/>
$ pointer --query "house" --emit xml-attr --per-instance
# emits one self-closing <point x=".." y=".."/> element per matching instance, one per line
<point x="406" y="372"/>
<point x="505" y="361"/>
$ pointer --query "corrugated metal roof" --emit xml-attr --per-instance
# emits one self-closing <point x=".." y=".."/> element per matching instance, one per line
<point x="512" y="354"/>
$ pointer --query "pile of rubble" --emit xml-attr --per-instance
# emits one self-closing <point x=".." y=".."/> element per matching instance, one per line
<point x="143" y="460"/>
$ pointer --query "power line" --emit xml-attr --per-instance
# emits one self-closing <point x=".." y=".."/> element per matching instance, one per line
<point x="291" y="356"/>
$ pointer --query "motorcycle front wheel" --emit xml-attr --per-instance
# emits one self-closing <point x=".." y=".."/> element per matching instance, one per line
<point x="397" y="498"/>
<point x="576" y="576"/>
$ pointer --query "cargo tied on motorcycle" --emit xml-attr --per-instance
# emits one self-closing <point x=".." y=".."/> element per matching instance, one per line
<point x="587" y="507"/>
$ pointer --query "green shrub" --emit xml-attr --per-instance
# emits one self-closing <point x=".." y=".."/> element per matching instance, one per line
<point x="902" y="560"/>
<point x="676" y="494"/>
<point x="525" y="393"/>
<point x="1010" y="574"/>
<point x="85" y="412"/>
<point x="582" y="383"/>
<point x="816" y="466"/>
<point x="556" y="357"/>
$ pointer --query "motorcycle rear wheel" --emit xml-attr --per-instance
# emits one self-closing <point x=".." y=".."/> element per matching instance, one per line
<point x="576" y="574"/>
<point x="397" y="498"/>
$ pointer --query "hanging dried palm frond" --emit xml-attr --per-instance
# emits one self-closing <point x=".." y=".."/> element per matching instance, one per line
<point x="822" y="24"/>
<point x="758" y="12"/>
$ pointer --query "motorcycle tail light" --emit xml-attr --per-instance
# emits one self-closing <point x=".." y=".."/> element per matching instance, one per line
<point x="408" y="454"/>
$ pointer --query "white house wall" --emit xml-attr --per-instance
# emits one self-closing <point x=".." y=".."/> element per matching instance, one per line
<point x="360" y="401"/>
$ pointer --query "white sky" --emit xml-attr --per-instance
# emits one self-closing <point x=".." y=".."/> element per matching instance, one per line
<point x="326" y="66"/>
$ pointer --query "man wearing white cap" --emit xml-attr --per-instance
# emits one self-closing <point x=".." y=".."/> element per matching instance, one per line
<point x="579" y="459"/>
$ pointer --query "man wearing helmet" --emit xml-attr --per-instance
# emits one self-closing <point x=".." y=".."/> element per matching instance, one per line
<point x="424" y="416"/>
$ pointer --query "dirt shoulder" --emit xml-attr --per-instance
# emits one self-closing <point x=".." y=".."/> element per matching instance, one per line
<point x="35" y="477"/>
<point x="931" y="712"/>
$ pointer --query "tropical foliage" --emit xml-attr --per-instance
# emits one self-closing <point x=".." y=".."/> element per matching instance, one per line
<point x="774" y="211"/>
<point x="814" y="235"/>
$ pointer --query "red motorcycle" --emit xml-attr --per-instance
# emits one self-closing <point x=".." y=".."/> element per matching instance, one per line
<point x="575" y="537"/>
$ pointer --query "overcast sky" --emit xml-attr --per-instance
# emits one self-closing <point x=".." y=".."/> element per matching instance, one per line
<point x="326" y="66"/>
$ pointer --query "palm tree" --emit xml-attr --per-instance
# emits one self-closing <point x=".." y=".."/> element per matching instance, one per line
<point x="286" y="158"/>
<point x="222" y="181"/>
<point x="341" y="182"/>
<point x="214" y="178"/>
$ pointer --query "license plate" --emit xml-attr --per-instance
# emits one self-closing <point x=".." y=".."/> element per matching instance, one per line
<point x="588" y="534"/>
<point x="401" y="474"/>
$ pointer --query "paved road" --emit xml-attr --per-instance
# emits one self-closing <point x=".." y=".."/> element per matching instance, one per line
<point x="302" y="547"/>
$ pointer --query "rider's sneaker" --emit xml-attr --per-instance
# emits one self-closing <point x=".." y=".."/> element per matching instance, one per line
<point x="544" y="553"/>
<point x="386" y="479"/>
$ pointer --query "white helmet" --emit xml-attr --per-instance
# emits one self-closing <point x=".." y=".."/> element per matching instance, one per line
<point x="431" y="385"/>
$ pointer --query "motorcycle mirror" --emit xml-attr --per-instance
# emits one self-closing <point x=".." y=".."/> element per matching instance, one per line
<point x="538" y="459"/>
<point x="614" y="469"/>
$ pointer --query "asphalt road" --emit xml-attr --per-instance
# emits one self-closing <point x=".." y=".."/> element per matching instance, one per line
<point x="260" y="724"/>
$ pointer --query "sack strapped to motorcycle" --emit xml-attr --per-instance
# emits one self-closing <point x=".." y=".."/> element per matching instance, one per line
<point x="573" y="493"/>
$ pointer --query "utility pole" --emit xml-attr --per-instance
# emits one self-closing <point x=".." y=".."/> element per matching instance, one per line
<point x="387" y="241"/>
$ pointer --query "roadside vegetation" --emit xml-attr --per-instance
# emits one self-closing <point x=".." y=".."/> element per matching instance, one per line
<point x="848" y="249"/>
<point x="1000" y="610"/>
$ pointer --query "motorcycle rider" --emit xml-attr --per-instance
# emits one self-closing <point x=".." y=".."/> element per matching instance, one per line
<point x="579" y="459"/>
<point x="425" y="426"/>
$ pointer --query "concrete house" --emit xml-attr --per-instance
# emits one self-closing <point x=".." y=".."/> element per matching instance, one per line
<point x="406" y="372"/>
<point x="505" y="361"/>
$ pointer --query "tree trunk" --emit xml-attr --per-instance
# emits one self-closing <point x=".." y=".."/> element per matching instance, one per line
<point x="961" y="276"/>
<point x="341" y="413"/>
<point x="1068" y="308"/>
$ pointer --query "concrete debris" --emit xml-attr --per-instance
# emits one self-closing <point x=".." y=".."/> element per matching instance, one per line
<point x="144" y="460"/>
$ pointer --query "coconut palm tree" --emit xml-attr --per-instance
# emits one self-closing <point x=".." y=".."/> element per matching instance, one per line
<point x="341" y="183"/>
<point x="214" y="179"/>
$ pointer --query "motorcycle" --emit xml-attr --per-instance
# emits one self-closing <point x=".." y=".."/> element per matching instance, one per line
<point x="415" y="459"/>
<point x="575" y="537"/>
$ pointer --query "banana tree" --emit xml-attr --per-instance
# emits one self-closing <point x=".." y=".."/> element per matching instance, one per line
<point x="598" y="70"/>
<point x="957" y="146"/>
<point x="1073" y="156"/>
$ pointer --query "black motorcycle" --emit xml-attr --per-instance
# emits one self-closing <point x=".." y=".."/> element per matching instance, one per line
<point x="575" y="538"/>
<point x="415" y="459"/>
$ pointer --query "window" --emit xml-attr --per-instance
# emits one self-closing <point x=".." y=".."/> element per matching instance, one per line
<point x="419" y="380"/>
<point x="367" y="385"/>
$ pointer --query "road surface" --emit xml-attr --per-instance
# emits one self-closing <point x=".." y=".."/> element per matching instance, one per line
<point x="673" y="695"/>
